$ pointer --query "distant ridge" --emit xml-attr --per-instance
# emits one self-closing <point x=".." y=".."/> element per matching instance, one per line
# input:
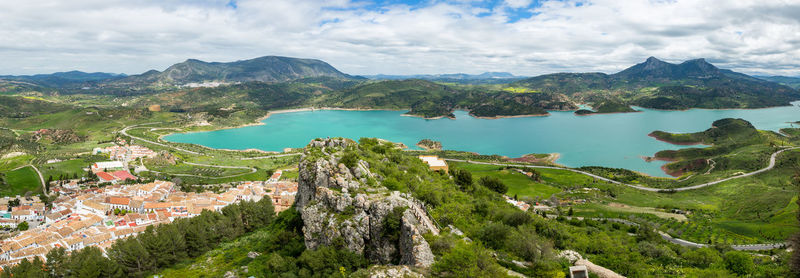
<point x="60" y="79"/>
<point x="657" y="84"/>
<point x="486" y="77"/>
<point x="790" y="81"/>
<point x="263" y="69"/>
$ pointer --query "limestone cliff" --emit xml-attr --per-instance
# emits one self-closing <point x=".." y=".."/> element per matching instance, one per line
<point x="347" y="205"/>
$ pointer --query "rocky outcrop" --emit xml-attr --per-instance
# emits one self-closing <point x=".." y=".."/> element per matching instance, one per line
<point x="339" y="206"/>
<point x="429" y="144"/>
<point x="380" y="271"/>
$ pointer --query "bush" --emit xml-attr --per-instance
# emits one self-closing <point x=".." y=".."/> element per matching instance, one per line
<point x="516" y="218"/>
<point x="349" y="159"/>
<point x="392" y="224"/>
<point x="463" y="179"/>
<point x="467" y="260"/>
<point x="739" y="262"/>
<point x="494" y="235"/>
<point x="495" y="184"/>
<point x="702" y="257"/>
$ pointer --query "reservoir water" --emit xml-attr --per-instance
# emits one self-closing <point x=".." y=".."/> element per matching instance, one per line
<point x="611" y="140"/>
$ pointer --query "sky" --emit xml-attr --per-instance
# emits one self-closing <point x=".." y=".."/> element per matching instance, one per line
<point x="364" y="37"/>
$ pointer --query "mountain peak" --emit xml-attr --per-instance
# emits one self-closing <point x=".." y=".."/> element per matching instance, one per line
<point x="263" y="69"/>
<point x="652" y="59"/>
<point x="653" y="68"/>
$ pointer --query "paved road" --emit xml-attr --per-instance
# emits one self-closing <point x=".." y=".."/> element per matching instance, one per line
<point x="683" y="242"/>
<point x="270" y="156"/>
<point x="771" y="165"/>
<point x="124" y="131"/>
<point x="41" y="178"/>
<point x="252" y="170"/>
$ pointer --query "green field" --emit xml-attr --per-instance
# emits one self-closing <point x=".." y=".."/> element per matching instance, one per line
<point x="68" y="168"/>
<point x="755" y="209"/>
<point x="518" y="183"/>
<point x="20" y="181"/>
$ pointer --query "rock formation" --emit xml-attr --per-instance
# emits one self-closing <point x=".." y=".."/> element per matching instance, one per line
<point x="339" y="206"/>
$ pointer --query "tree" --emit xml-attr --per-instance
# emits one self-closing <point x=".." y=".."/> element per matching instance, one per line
<point x="525" y="243"/>
<point x="57" y="260"/>
<point x="90" y="262"/>
<point x="494" y="235"/>
<point x="22" y="226"/>
<point x="702" y="257"/>
<point x="463" y="179"/>
<point x="570" y="212"/>
<point x="349" y="159"/>
<point x="739" y="262"/>
<point x="175" y="240"/>
<point x="131" y="256"/>
<point x="157" y="246"/>
<point x="494" y="184"/>
<point x="467" y="260"/>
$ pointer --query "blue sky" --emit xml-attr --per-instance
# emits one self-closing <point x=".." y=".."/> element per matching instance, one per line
<point x="524" y="37"/>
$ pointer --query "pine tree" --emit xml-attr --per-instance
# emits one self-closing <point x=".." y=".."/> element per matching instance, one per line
<point x="157" y="246"/>
<point x="132" y="257"/>
<point x="56" y="262"/>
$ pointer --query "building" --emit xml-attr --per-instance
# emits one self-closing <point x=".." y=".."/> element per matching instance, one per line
<point x="107" y="166"/>
<point x="275" y="176"/>
<point x="115" y="177"/>
<point x="434" y="162"/>
<point x="82" y="218"/>
<point x="578" y="271"/>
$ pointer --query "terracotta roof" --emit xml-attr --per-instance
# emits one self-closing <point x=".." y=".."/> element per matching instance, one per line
<point x="123" y="175"/>
<point x="105" y="176"/>
<point x="118" y="200"/>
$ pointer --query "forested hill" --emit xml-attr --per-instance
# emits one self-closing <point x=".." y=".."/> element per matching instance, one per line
<point x="263" y="69"/>
<point x="658" y="84"/>
<point x="793" y="82"/>
<point x="61" y="79"/>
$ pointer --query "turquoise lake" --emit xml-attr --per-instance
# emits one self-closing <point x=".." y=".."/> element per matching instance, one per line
<point x="611" y="140"/>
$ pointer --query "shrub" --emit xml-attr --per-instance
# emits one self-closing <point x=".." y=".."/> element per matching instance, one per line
<point x="463" y="179"/>
<point x="495" y="184"/>
<point x="739" y="262"/>
<point x="349" y="159"/>
<point x="467" y="260"/>
<point x="494" y="235"/>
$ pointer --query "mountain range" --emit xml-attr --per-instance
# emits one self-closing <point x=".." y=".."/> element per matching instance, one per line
<point x="793" y="82"/>
<point x="651" y="84"/>
<point x="463" y="78"/>
<point x="60" y="79"/>
<point x="658" y="84"/>
<point x="263" y="69"/>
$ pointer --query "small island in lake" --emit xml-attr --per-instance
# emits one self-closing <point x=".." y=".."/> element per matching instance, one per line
<point x="607" y="107"/>
<point x="429" y="144"/>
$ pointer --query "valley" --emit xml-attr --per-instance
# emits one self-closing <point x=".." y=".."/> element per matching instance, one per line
<point x="721" y="149"/>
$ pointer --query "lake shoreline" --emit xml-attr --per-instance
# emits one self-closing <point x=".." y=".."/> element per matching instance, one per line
<point x="676" y="143"/>
<point x="508" y="138"/>
<point x="510" y="117"/>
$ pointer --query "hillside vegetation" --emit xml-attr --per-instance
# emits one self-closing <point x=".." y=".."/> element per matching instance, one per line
<point x="661" y="85"/>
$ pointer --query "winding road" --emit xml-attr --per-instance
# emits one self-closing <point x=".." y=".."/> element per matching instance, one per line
<point x="771" y="165"/>
<point x="124" y="132"/>
<point x="683" y="242"/>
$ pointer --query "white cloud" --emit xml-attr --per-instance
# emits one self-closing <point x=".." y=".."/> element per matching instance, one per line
<point x="39" y="36"/>
<point x="516" y="4"/>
